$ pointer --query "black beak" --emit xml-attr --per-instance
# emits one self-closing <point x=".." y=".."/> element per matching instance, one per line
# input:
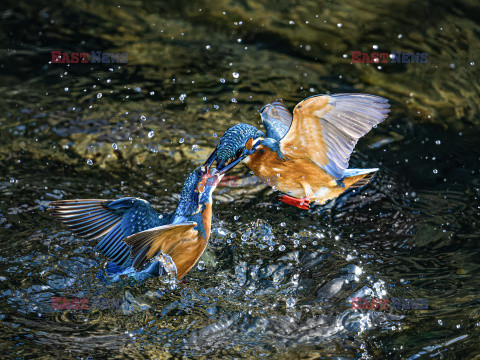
<point x="223" y="170"/>
<point x="210" y="160"/>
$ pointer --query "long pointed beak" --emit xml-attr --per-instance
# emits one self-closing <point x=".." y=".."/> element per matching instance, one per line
<point x="231" y="165"/>
<point x="210" y="160"/>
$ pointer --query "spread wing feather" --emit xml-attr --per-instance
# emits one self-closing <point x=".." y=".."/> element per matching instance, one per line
<point x="276" y="118"/>
<point x="326" y="128"/>
<point x="180" y="241"/>
<point x="113" y="220"/>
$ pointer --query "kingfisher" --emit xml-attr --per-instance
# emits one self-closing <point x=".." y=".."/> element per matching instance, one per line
<point x="139" y="241"/>
<point x="305" y="156"/>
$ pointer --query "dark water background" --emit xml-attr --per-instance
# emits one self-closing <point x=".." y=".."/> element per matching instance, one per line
<point x="275" y="282"/>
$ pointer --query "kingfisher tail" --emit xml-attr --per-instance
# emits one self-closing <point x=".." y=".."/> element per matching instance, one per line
<point x="355" y="178"/>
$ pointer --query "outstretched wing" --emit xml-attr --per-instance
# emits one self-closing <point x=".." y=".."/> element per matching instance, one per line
<point x="180" y="241"/>
<point x="326" y="128"/>
<point x="112" y="219"/>
<point x="276" y="119"/>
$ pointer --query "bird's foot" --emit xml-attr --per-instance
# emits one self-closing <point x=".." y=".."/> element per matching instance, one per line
<point x="303" y="203"/>
<point x="281" y="156"/>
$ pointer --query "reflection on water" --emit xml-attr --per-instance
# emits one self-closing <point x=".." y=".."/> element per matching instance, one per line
<point x="274" y="281"/>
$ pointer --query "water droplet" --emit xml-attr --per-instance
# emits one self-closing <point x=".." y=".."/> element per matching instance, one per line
<point x="235" y="75"/>
<point x="440" y="322"/>
<point x="201" y="265"/>
<point x="458" y="326"/>
<point x="222" y="80"/>
<point x="99" y="95"/>
<point x="291" y="22"/>
<point x="472" y="63"/>
<point x="283" y="224"/>
<point x="194" y="147"/>
<point x="236" y="217"/>
<point x="339" y="25"/>
<point x="215" y="135"/>
<point x="181" y="141"/>
<point x="207" y="47"/>
<point x="438" y="142"/>
<point x="115" y="147"/>
<point x="151" y="134"/>
<point x="358" y="270"/>
<point x="375" y="47"/>
<point x="143" y="118"/>
<point x="399" y="36"/>
<point x="290" y="302"/>
<point x="66" y="89"/>
<point x="452" y="66"/>
<point x="435" y="171"/>
<point x="281" y="248"/>
<point x="152" y="92"/>
<point x="89" y="162"/>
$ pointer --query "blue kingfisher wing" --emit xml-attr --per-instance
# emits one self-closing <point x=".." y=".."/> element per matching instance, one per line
<point x="326" y="128"/>
<point x="113" y="220"/>
<point x="181" y="241"/>
<point x="276" y="119"/>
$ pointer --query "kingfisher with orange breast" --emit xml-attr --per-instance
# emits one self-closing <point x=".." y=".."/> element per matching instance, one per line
<point x="138" y="240"/>
<point x="306" y="155"/>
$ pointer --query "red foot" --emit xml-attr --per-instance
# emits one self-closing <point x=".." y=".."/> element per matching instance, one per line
<point x="303" y="203"/>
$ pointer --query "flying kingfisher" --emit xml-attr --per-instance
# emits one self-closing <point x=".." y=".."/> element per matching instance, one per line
<point x="305" y="155"/>
<point x="138" y="240"/>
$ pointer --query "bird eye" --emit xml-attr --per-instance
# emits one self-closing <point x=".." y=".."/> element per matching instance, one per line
<point x="201" y="171"/>
<point x="239" y="153"/>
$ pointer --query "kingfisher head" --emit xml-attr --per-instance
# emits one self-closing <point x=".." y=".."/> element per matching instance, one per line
<point x="197" y="190"/>
<point x="238" y="142"/>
